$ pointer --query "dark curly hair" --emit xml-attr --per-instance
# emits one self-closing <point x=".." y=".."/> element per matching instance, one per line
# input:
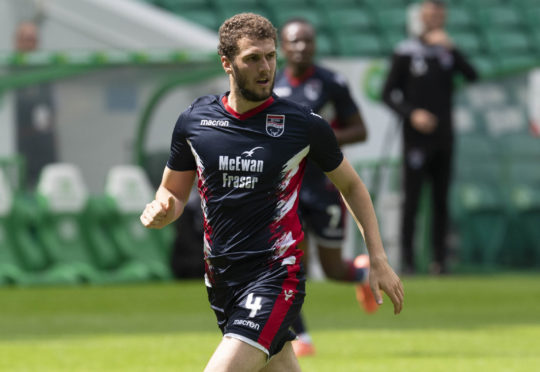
<point x="248" y="25"/>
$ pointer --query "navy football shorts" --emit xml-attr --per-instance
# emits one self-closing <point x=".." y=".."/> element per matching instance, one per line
<point x="322" y="212"/>
<point x="260" y="312"/>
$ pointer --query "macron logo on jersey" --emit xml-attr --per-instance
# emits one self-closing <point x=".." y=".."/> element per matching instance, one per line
<point x="214" y="123"/>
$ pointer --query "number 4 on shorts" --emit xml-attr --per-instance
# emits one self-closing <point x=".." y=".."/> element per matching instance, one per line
<point x="253" y="305"/>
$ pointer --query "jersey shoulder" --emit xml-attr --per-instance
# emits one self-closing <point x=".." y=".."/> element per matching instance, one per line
<point x="330" y="77"/>
<point x="300" y="112"/>
<point x="290" y="107"/>
<point x="203" y="103"/>
<point x="202" y="107"/>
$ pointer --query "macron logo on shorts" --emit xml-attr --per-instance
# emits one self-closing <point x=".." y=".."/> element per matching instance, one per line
<point x="288" y="294"/>
<point x="247" y="323"/>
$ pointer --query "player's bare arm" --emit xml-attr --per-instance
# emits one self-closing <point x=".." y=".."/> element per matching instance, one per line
<point x="353" y="130"/>
<point x="171" y="197"/>
<point x="358" y="201"/>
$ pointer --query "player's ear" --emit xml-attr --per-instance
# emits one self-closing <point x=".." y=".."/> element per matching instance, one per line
<point x="227" y="65"/>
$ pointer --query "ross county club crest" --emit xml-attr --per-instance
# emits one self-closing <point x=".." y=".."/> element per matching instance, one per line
<point x="275" y="125"/>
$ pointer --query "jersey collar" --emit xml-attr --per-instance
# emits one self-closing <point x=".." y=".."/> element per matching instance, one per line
<point x="247" y="114"/>
<point x="296" y="81"/>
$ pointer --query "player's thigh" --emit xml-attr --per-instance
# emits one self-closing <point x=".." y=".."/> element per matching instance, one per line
<point x="285" y="360"/>
<point x="233" y="355"/>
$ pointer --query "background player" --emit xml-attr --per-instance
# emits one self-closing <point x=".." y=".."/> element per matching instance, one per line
<point x="321" y="208"/>
<point x="419" y="88"/>
<point x="248" y="179"/>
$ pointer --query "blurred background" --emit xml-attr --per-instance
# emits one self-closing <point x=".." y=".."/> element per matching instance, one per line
<point x="87" y="111"/>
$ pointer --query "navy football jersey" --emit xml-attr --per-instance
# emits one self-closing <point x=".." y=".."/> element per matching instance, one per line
<point x="324" y="91"/>
<point x="250" y="167"/>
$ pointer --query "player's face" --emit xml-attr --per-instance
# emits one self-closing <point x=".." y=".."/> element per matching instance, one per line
<point x="254" y="68"/>
<point x="433" y="16"/>
<point x="298" y="43"/>
<point x="26" y="38"/>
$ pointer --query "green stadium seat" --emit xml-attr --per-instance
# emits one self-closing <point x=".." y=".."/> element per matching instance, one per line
<point x="273" y="5"/>
<point x="77" y="246"/>
<point x="10" y="268"/>
<point x="233" y="9"/>
<point x="531" y="16"/>
<point x="525" y="4"/>
<point x="517" y="62"/>
<point x="382" y="4"/>
<point x="485" y="64"/>
<point x="324" y="44"/>
<point x="360" y="45"/>
<point x="394" y="18"/>
<point x="26" y="221"/>
<point x="23" y="260"/>
<point x="204" y="17"/>
<point x="62" y="199"/>
<point x="200" y="12"/>
<point x="350" y="19"/>
<point x="521" y="153"/>
<point x="326" y="5"/>
<point x="393" y="38"/>
<point x="500" y="16"/>
<point x="477" y="204"/>
<point x="311" y="15"/>
<point x="118" y="268"/>
<point x="480" y="217"/>
<point x="460" y="18"/>
<point x="501" y="42"/>
<point x="182" y="4"/>
<point x="481" y="4"/>
<point x="128" y="190"/>
<point x="468" y="42"/>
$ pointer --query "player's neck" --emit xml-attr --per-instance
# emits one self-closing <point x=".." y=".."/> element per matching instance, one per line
<point x="239" y="104"/>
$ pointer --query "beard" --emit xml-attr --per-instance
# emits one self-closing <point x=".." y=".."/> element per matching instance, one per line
<point x="249" y="94"/>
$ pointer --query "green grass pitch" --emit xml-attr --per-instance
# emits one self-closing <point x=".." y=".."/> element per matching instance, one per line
<point x="457" y="323"/>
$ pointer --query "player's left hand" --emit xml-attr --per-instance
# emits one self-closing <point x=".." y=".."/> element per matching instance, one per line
<point x="439" y="37"/>
<point x="382" y="277"/>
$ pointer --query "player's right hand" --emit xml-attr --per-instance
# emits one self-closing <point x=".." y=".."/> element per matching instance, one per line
<point x="438" y="37"/>
<point x="157" y="214"/>
<point x="423" y="121"/>
<point x="383" y="278"/>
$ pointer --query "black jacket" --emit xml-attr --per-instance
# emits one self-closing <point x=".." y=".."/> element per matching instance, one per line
<point x="422" y="76"/>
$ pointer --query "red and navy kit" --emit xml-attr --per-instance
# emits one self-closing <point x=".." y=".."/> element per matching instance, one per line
<point x="327" y="94"/>
<point x="250" y="168"/>
<point x="320" y="89"/>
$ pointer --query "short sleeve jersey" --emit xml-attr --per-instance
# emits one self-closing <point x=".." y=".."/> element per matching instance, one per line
<point x="250" y="167"/>
<point x="324" y="91"/>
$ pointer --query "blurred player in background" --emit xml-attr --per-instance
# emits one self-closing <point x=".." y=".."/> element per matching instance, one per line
<point x="35" y="113"/>
<point x="419" y="89"/>
<point x="249" y="148"/>
<point x="321" y="207"/>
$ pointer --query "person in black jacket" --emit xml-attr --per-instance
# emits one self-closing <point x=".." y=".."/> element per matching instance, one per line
<point x="35" y="113"/>
<point x="419" y="89"/>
